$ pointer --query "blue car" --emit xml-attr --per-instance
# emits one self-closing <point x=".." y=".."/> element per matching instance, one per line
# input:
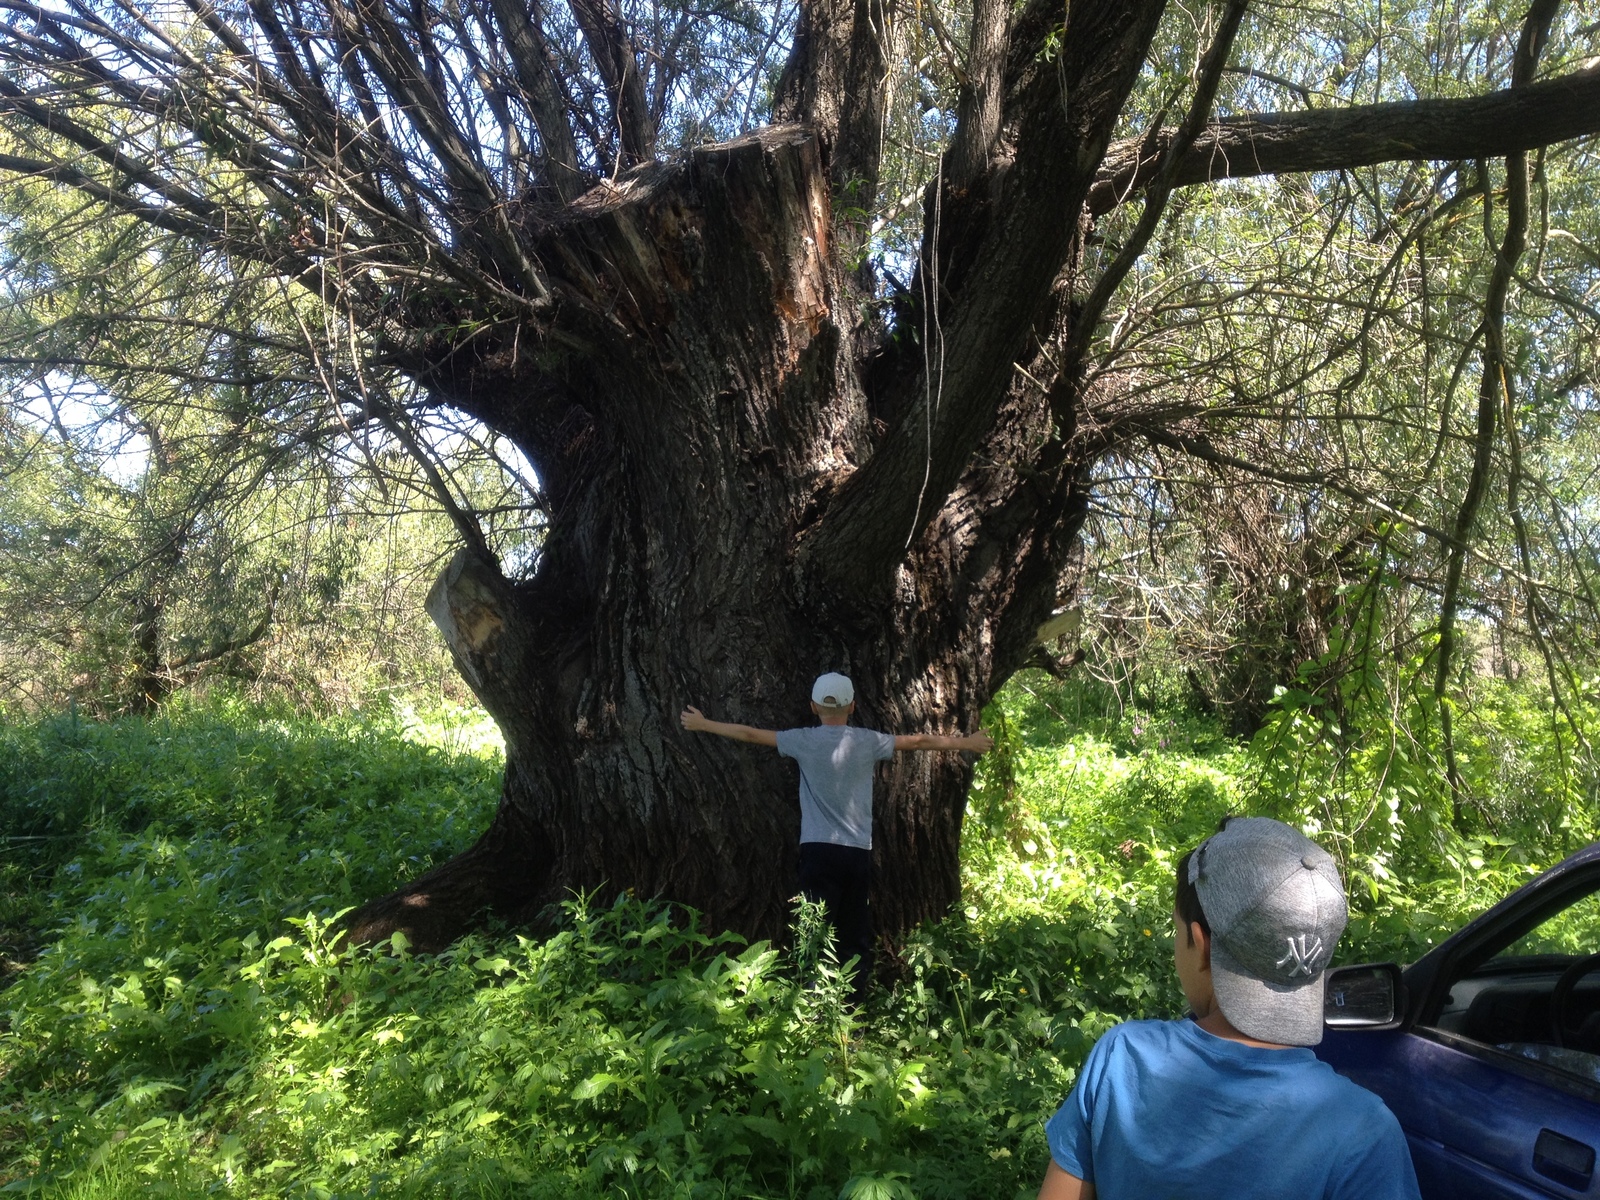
<point x="1488" y="1048"/>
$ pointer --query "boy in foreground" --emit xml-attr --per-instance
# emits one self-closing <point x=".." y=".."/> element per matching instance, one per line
<point x="836" y="766"/>
<point x="1229" y="1102"/>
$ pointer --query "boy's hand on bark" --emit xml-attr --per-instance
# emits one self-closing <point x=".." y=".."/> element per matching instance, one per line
<point x="694" y="720"/>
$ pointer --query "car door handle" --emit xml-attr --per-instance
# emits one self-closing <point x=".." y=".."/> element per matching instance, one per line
<point x="1563" y="1159"/>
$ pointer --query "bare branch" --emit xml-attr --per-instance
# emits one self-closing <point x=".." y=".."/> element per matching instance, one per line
<point x="1202" y="449"/>
<point x="1157" y="192"/>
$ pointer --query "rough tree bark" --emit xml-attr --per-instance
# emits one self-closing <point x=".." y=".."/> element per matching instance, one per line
<point x="742" y="500"/>
<point x="690" y="458"/>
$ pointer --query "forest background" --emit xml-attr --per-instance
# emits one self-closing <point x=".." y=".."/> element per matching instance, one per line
<point x="1336" y="565"/>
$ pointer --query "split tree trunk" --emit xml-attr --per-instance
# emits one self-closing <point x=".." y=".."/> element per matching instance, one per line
<point x="713" y="417"/>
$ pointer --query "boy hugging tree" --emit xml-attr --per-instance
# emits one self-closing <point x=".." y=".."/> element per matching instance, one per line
<point x="1230" y="1101"/>
<point x="836" y="768"/>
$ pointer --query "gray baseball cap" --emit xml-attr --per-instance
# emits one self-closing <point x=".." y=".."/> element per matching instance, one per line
<point x="1276" y="908"/>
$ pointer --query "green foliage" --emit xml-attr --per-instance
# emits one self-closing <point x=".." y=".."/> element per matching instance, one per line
<point x="134" y="575"/>
<point x="190" y="501"/>
<point x="191" y="1027"/>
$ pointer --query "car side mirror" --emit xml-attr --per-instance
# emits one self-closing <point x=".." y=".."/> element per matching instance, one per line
<point x="1362" y="997"/>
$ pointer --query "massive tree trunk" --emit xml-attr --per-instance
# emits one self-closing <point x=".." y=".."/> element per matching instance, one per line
<point x="691" y="453"/>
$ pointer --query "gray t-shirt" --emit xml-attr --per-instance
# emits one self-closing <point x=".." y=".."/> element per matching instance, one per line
<point x="836" y="764"/>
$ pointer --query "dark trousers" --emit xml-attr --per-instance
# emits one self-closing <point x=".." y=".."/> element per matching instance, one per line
<point x="839" y="877"/>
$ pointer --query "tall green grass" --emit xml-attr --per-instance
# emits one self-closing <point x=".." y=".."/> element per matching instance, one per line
<point x="186" y="1028"/>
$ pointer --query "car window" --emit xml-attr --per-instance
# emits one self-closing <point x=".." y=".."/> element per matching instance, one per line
<point x="1511" y="1001"/>
<point x="1574" y="931"/>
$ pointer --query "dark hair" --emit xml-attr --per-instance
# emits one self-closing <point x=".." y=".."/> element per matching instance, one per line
<point x="1186" y="899"/>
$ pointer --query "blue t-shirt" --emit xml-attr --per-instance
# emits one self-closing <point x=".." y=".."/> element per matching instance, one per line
<point x="836" y="763"/>
<point x="1165" y="1109"/>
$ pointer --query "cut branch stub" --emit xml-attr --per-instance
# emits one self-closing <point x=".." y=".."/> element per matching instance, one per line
<point x="634" y="252"/>
<point x="469" y="602"/>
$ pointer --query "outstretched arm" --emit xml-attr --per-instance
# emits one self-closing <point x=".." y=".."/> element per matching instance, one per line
<point x="696" y="721"/>
<point x="979" y="742"/>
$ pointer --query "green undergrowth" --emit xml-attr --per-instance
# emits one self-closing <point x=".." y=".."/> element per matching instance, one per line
<point x="178" y="1022"/>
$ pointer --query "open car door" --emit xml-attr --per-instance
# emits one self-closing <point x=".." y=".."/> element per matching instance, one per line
<point x="1490" y="1053"/>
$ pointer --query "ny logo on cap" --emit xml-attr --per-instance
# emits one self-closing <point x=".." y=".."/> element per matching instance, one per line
<point x="1301" y="955"/>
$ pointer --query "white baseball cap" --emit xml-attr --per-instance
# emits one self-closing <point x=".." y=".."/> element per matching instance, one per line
<point x="833" y="690"/>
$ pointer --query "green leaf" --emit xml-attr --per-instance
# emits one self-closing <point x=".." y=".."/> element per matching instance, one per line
<point x="594" y="1086"/>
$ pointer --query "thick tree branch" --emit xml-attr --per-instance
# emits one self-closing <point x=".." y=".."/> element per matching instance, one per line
<point x="996" y="252"/>
<point x="1331" y="139"/>
<point x="530" y="58"/>
<point x="834" y="82"/>
<point x="983" y="97"/>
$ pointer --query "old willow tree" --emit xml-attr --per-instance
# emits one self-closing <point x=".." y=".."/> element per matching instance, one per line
<point x="769" y="439"/>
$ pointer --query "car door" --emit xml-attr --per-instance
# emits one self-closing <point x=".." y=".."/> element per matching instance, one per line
<point x="1480" y="1122"/>
<point x="1485" y="1110"/>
